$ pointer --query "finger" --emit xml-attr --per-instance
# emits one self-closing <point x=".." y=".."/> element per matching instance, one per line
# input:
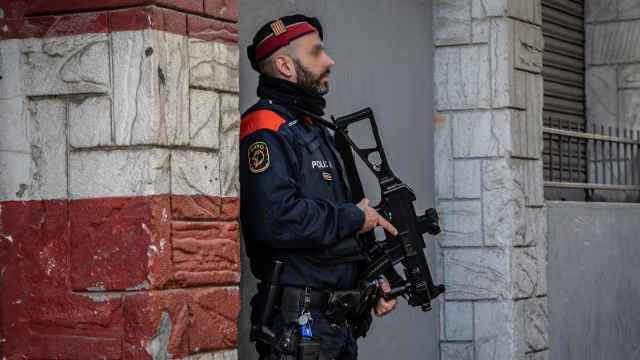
<point x="387" y="226"/>
<point x="385" y="287"/>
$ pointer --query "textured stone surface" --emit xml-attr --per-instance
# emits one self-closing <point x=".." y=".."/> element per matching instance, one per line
<point x="628" y="76"/>
<point x="118" y="173"/>
<point x="526" y="10"/>
<point x="204" y="118"/>
<point x="461" y="76"/>
<point x="66" y="65"/>
<point x="484" y="8"/>
<point x="120" y="243"/>
<point x="472" y="274"/>
<point x="601" y="95"/>
<point x="206" y="253"/>
<point x="150" y="90"/>
<point x="481" y="134"/>
<point x="48" y="142"/>
<point x="456" y="351"/>
<point x="14" y="121"/>
<point x="533" y="182"/>
<point x="524" y="271"/>
<point x="461" y="223"/>
<point x="219" y="355"/>
<point x="222" y="9"/>
<point x="535" y="223"/>
<point x="537" y="324"/>
<point x="195" y="173"/>
<point x="90" y="122"/>
<point x="452" y="22"/>
<point x="443" y="156"/>
<point x="212" y="30"/>
<point x="519" y="140"/>
<point x="230" y="143"/>
<point x="494" y="332"/>
<point x="529" y="45"/>
<point x="213" y="316"/>
<point x="458" y="320"/>
<point x="600" y="10"/>
<point x="213" y="65"/>
<point x="14" y="175"/>
<point x="502" y="55"/>
<point x="503" y="203"/>
<point x="467" y="178"/>
<point x="535" y="99"/>
<point x="542" y="249"/>
<point x="10" y="69"/>
<point x="195" y="207"/>
<point x="612" y="43"/>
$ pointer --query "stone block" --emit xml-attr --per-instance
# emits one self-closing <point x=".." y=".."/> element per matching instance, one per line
<point x="526" y="10"/>
<point x="601" y="95"/>
<point x="485" y="8"/>
<point x="456" y="351"/>
<point x="213" y="65"/>
<point x="14" y="122"/>
<point x="47" y="127"/>
<point x="628" y="76"/>
<point x="542" y="248"/>
<point x="502" y="62"/>
<point x="494" y="332"/>
<point x="481" y="134"/>
<point x="15" y="175"/>
<point x="151" y="88"/>
<point x="462" y="76"/>
<point x="520" y="89"/>
<point x="120" y="243"/>
<point x="452" y="22"/>
<point x="614" y="43"/>
<point x="195" y="173"/>
<point x="443" y="157"/>
<point x="196" y="207"/>
<point x="519" y="141"/>
<point x="467" y="178"/>
<point x="218" y="355"/>
<point x="156" y="324"/>
<point x="204" y="118"/>
<point x="524" y="272"/>
<point x="535" y="223"/>
<point x="458" y="321"/>
<point x="66" y="65"/>
<point x="90" y="122"/>
<point x="222" y="9"/>
<point x="540" y="355"/>
<point x="207" y="29"/>
<point x="533" y="182"/>
<point x="537" y="324"/>
<point x="480" y="29"/>
<point x="600" y="10"/>
<point x="206" y="253"/>
<point x="528" y="47"/>
<point x="473" y="274"/>
<point x="628" y="9"/>
<point x="10" y="68"/>
<point x="118" y="173"/>
<point x="230" y="140"/>
<point x="503" y="203"/>
<point x="173" y="76"/>
<point x="629" y="111"/>
<point x="213" y="319"/>
<point x="461" y="223"/>
<point x="535" y="99"/>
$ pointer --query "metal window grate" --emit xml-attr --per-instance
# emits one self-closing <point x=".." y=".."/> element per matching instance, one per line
<point x="602" y="159"/>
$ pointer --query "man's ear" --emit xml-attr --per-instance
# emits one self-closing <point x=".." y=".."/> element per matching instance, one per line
<point x="284" y="66"/>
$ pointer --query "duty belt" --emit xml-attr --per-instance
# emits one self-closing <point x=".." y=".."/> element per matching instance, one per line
<point x="292" y="299"/>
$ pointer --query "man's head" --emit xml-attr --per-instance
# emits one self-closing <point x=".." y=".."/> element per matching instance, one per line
<point x="291" y="48"/>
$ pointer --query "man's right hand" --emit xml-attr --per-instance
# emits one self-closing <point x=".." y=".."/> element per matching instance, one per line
<point x="373" y="219"/>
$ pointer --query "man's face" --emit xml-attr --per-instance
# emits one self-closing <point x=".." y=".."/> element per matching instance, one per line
<point x="312" y="63"/>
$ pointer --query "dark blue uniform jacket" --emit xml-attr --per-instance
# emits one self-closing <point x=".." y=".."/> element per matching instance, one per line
<point x="295" y="201"/>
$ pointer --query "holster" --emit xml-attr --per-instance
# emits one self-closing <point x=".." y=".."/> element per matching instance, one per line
<point x="353" y="307"/>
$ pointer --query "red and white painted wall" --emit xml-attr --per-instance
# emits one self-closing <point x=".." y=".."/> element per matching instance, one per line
<point x="119" y="235"/>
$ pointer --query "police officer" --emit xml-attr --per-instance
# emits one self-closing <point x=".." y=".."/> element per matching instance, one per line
<point x="296" y="206"/>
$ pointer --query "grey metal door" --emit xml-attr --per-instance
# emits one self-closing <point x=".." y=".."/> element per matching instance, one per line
<point x="384" y="59"/>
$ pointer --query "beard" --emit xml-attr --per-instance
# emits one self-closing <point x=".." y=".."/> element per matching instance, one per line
<point x="309" y="81"/>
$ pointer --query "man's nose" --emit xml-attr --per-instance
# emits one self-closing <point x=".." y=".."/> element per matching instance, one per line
<point x="331" y="63"/>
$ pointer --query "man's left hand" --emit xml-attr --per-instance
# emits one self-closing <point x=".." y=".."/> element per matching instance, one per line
<point x="383" y="307"/>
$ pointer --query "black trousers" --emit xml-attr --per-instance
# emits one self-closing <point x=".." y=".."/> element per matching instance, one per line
<point x="336" y="342"/>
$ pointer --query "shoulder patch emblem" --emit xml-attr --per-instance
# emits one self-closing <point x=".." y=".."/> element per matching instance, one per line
<point x="259" y="157"/>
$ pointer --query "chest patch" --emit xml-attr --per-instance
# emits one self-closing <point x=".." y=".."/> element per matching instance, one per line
<point x="258" y="157"/>
<point x="321" y="164"/>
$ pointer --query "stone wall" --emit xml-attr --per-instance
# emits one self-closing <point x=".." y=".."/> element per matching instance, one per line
<point x="119" y="233"/>
<point x="613" y="83"/>
<point x="489" y="186"/>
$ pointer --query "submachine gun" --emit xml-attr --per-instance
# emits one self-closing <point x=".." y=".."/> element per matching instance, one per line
<point x="396" y="205"/>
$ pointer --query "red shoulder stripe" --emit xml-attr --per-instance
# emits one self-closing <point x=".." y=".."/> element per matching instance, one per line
<point x="259" y="120"/>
